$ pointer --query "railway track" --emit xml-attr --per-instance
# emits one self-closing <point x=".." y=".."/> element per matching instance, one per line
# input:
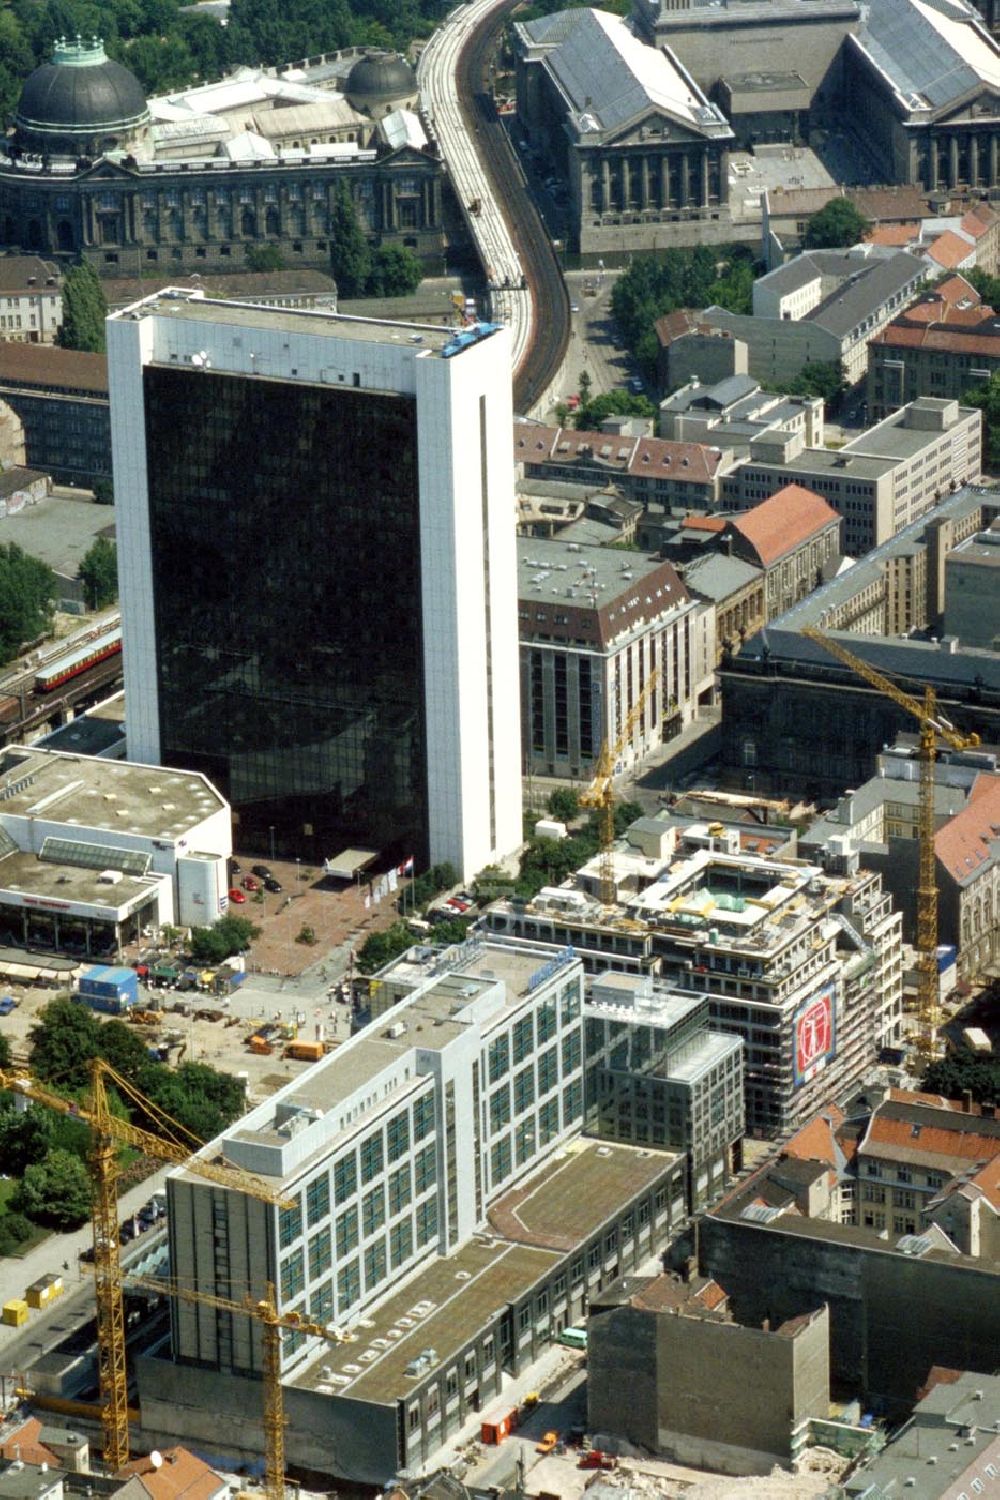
<point x="508" y="233"/>
<point x="550" y="321"/>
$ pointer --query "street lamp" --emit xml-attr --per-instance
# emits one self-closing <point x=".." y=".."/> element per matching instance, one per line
<point x="271" y="832"/>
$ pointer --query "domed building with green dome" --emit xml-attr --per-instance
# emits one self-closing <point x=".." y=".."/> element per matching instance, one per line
<point x="193" y="181"/>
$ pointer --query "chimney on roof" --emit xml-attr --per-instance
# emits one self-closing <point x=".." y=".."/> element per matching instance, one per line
<point x="967" y="1101"/>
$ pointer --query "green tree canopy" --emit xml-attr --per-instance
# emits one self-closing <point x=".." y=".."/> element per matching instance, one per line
<point x="837" y="224"/>
<point x="817" y="378"/>
<point x="25" y="1135"/>
<point x="381" y="948"/>
<point x="564" y="803"/>
<point x="198" y="1097"/>
<point x="953" y="1075"/>
<point x="27" y="594"/>
<point x="350" y="257"/>
<point x="265" y="258"/>
<point x="4" y="1052"/>
<point x="104" y="492"/>
<point x="84" y="310"/>
<point x="589" y="416"/>
<point x="987" y="398"/>
<point x="231" y="934"/>
<point x="658" y="284"/>
<point x="64" y="1040"/>
<point x="98" y="573"/>
<point x="395" y="272"/>
<point x="55" y="1191"/>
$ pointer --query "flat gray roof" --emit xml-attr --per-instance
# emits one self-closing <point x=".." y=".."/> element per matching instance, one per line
<point x="442" y="1307"/>
<point x="892" y="438"/>
<point x="26" y="874"/>
<point x="831" y="461"/>
<point x="983" y="551"/>
<point x="581" y="565"/>
<point x="319" y="322"/>
<point x="577" y="1190"/>
<point x="116" y="796"/>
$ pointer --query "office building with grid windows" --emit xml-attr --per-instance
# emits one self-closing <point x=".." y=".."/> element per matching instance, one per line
<point x="445" y="1214"/>
<point x="318" y="572"/>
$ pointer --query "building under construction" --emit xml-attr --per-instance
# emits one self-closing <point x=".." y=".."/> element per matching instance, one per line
<point x="445" y="1219"/>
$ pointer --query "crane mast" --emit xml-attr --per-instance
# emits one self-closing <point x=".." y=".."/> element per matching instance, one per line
<point x="932" y="729"/>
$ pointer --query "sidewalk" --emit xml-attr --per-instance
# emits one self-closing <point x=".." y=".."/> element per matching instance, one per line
<point x="53" y="1255"/>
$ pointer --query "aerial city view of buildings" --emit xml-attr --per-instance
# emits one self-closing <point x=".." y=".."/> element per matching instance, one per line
<point x="500" y="751"/>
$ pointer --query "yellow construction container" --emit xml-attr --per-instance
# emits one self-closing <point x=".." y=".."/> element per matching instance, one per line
<point x="15" y="1312"/>
<point x="44" y="1291"/>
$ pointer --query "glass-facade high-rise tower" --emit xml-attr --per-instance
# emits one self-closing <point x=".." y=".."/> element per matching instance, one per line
<point x="318" y="578"/>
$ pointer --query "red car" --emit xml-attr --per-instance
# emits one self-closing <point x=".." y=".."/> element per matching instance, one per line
<point x="251" y="883"/>
<point x="236" y="896"/>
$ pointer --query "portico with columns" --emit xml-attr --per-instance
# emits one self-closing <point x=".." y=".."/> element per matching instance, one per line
<point x="636" y="140"/>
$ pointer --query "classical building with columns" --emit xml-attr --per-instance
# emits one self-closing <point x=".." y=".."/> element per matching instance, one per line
<point x="922" y="85"/>
<point x="642" y="150"/>
<point x="194" y="181"/>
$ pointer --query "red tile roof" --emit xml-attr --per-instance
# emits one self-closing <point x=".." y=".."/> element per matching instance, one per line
<point x="643" y="457"/>
<point x="979" y="220"/>
<point x="181" y="1476"/>
<point x="24" y="1445"/>
<point x="956" y="289"/>
<point x="962" y="845"/>
<point x="704" y="523"/>
<point x="817" y="1140"/>
<point x="777" y="526"/>
<point x="899" y="235"/>
<point x="950" y="250"/>
<point x="930" y="1139"/>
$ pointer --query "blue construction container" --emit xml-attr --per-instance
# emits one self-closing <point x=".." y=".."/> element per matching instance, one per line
<point x="109" y="989"/>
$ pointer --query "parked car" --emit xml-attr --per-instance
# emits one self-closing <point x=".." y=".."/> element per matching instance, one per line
<point x="548" y="1442"/>
<point x="635" y="386"/>
<point x="270" y="884"/>
<point x="234" y="867"/>
<point x="262" y="870"/>
<point x="250" y="884"/>
<point x="7" y="1004"/>
<point x="236" y="896"/>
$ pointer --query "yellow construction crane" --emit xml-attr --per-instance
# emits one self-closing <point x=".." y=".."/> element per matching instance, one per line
<point x="932" y="729"/>
<point x="265" y="1310"/>
<point x="600" y="795"/>
<point x="175" y="1144"/>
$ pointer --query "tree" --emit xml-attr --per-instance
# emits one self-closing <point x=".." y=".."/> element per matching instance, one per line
<point x="395" y="272"/>
<point x="25" y="1136"/>
<point x="564" y="804"/>
<point x="959" y="1072"/>
<point x="84" y="310"/>
<point x="213" y="945"/>
<point x="98" y="572"/>
<point x="104" y="492"/>
<point x="589" y="417"/>
<point x="350" y="257"/>
<point x="64" y="1039"/>
<point x="584" y="385"/>
<point x="819" y="377"/>
<point x="55" y="1191"/>
<point x="987" y="398"/>
<point x="381" y="948"/>
<point x="657" y="284"/>
<point x="265" y="258"/>
<point x="4" y="1052"/>
<point x="27" y="595"/>
<point x="837" y="224"/>
<point x="198" y="1097"/>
